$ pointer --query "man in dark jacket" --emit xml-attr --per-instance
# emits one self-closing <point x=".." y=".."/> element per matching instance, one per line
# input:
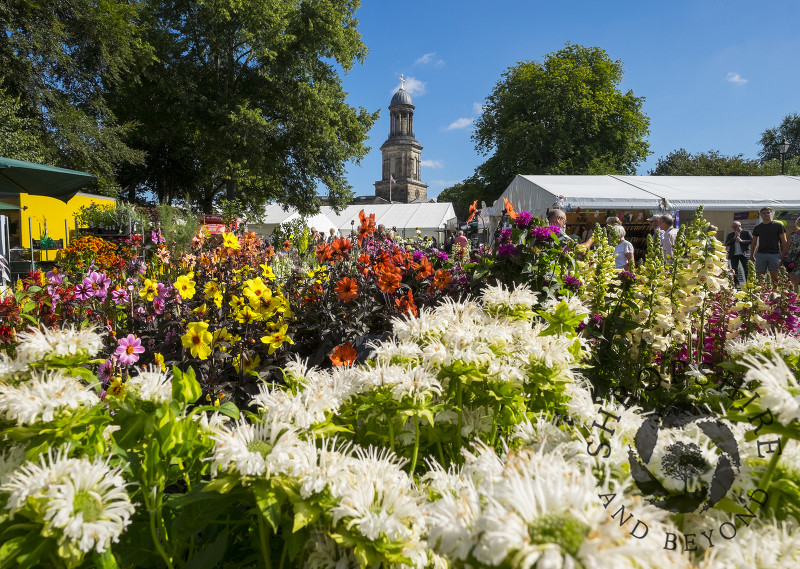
<point x="738" y="244"/>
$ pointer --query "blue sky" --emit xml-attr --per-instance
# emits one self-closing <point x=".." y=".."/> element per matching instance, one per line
<point x="714" y="74"/>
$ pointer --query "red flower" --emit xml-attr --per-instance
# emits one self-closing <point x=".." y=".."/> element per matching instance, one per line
<point x="343" y="355"/>
<point x="424" y="268"/>
<point x="324" y="252"/>
<point x="405" y="304"/>
<point x="389" y="280"/>
<point x="341" y="247"/>
<point x="473" y="209"/>
<point x="510" y="209"/>
<point x="442" y="278"/>
<point x="346" y="289"/>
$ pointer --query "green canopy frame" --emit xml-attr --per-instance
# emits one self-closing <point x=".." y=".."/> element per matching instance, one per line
<point x="40" y="180"/>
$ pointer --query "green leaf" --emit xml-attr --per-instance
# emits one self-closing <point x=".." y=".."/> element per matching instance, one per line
<point x="229" y="409"/>
<point x="222" y="485"/>
<point x="185" y="387"/>
<point x="305" y="514"/>
<point x="105" y="560"/>
<point x="210" y="555"/>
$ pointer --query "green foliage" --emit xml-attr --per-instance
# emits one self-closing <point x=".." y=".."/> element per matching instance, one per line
<point x="58" y="59"/>
<point x="771" y="138"/>
<point x="244" y="99"/>
<point x="711" y="163"/>
<point x="565" y="115"/>
<point x="178" y="227"/>
<point x="19" y="138"/>
<point x="462" y="195"/>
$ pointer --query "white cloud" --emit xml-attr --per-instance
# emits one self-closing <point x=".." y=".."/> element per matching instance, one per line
<point x="736" y="78"/>
<point x="430" y="59"/>
<point x="431" y="163"/>
<point x="412" y="86"/>
<point x="459" y="123"/>
<point x="477" y="108"/>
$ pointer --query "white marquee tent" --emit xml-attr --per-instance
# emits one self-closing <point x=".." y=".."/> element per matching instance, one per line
<point x="537" y="194"/>
<point x="432" y="219"/>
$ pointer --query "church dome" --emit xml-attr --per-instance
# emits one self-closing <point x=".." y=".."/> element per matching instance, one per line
<point x="401" y="98"/>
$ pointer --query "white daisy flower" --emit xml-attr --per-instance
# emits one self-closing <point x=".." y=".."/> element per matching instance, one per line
<point x="517" y="303"/>
<point x="778" y="389"/>
<point x="261" y="449"/>
<point x="774" y="342"/>
<point x="10" y="459"/>
<point x="10" y="367"/>
<point x="762" y="544"/>
<point x="42" y="397"/>
<point x="89" y="504"/>
<point x="380" y="501"/>
<point x="33" y="478"/>
<point x="36" y="344"/>
<point x="151" y="384"/>
<point x="85" y="499"/>
<point x="544" y="512"/>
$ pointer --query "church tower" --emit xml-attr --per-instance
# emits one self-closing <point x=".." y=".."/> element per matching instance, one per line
<point x="400" y="179"/>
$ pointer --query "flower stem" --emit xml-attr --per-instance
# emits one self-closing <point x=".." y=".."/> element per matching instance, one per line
<point x="263" y="534"/>
<point x="154" y="534"/>
<point x="766" y="478"/>
<point x="416" y="445"/>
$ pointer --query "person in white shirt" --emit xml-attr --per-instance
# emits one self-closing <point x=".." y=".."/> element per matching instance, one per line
<point x="623" y="252"/>
<point x="667" y="225"/>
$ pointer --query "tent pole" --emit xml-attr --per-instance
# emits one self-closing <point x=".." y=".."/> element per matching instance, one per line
<point x="30" y="238"/>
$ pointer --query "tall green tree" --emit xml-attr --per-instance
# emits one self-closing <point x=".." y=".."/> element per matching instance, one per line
<point x="463" y="195"/>
<point x="20" y="137"/>
<point x="771" y="139"/>
<point x="243" y="100"/>
<point x="711" y="163"/>
<point x="57" y="61"/>
<point x="565" y="115"/>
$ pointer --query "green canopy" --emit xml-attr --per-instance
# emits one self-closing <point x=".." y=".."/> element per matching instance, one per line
<point x="41" y="180"/>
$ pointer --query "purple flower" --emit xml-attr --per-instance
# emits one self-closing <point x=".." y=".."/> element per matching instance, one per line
<point x="129" y="349"/>
<point x="505" y="235"/>
<point x="137" y="266"/>
<point x="523" y="220"/>
<point x="162" y="291"/>
<point x="157" y="237"/>
<point x="119" y="296"/>
<point x="507" y="249"/>
<point x="417" y="256"/>
<point x="55" y="277"/>
<point x="543" y="233"/>
<point x="98" y="282"/>
<point x="83" y="291"/>
<point x="105" y="371"/>
<point x="572" y="283"/>
<point x="442" y="256"/>
<point x="158" y="305"/>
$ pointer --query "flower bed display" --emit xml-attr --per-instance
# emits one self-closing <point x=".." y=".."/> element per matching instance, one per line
<point x="369" y="402"/>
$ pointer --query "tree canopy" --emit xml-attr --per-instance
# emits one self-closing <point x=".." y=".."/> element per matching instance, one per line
<point x="712" y="163"/>
<point x="565" y="115"/>
<point x="210" y="100"/>
<point x="771" y="138"/>
<point x="58" y="59"/>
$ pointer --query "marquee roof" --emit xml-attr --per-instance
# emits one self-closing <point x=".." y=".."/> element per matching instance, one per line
<point x="430" y="218"/>
<point x="537" y="194"/>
